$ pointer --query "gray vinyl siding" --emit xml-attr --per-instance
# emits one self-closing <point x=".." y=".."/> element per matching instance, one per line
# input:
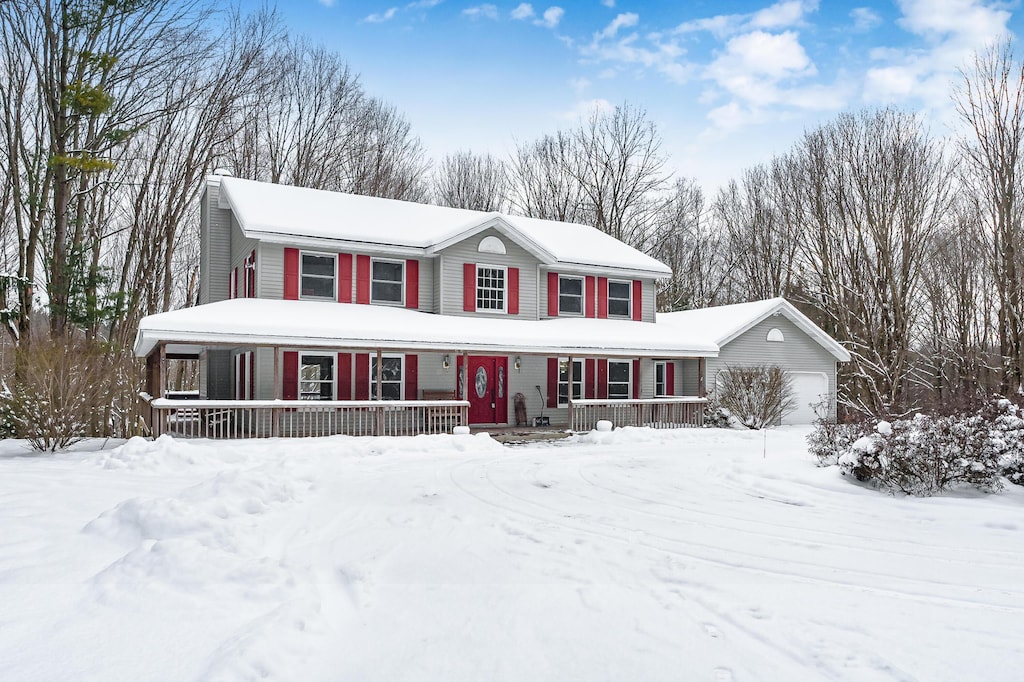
<point x="270" y="271"/>
<point x="687" y="377"/>
<point x="241" y="246"/>
<point x="798" y="353"/>
<point x="264" y="385"/>
<point x="457" y="255"/>
<point x="215" y="246"/>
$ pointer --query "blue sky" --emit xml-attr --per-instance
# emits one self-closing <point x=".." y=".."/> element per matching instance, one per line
<point x="727" y="83"/>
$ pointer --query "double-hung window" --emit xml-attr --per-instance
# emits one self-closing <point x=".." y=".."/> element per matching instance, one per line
<point x="490" y="288"/>
<point x="316" y="377"/>
<point x="316" y="275"/>
<point x="391" y="377"/>
<point x="564" y="384"/>
<point x="387" y="279"/>
<point x="570" y="295"/>
<point x="660" y="379"/>
<point x="618" y="379"/>
<point x="619" y="294"/>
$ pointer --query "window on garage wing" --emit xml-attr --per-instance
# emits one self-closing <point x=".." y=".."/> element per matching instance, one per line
<point x="386" y="281"/>
<point x="570" y="295"/>
<point x="317" y="275"/>
<point x="316" y="377"/>
<point x="391" y="378"/>
<point x="619" y="294"/>
<point x="618" y="379"/>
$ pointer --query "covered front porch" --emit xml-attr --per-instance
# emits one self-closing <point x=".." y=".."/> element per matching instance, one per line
<point x="360" y="379"/>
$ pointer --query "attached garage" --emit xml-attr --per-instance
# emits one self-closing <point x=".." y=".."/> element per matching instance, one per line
<point x="770" y="332"/>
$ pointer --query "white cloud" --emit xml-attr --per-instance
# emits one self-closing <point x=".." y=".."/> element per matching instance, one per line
<point x="381" y="17"/>
<point x="775" y="55"/>
<point x="481" y="12"/>
<point x="864" y="18"/>
<point x="783" y="14"/>
<point x="626" y="20"/>
<point x="588" y="107"/>
<point x="551" y="17"/>
<point x="523" y="11"/>
<point x="579" y="85"/>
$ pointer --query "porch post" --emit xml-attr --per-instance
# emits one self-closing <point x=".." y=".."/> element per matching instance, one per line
<point x="162" y="374"/>
<point x="278" y="381"/>
<point x="571" y="378"/>
<point x="702" y="390"/>
<point x="464" y="385"/>
<point x="380" y="396"/>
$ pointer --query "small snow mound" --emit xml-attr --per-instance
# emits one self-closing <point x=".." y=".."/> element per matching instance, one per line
<point x="884" y="428"/>
<point x="460" y="431"/>
<point x="603" y="425"/>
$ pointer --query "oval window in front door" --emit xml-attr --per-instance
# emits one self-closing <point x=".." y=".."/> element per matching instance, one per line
<point x="481" y="382"/>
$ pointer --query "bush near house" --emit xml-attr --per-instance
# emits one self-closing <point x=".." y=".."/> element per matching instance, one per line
<point x="751" y="396"/>
<point x="925" y="455"/>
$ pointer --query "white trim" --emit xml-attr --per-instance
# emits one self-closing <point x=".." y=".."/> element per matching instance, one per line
<point x="373" y="379"/>
<point x="583" y="295"/>
<point x="663" y="364"/>
<point x="629" y="382"/>
<point x="504" y="299"/>
<point x="775" y="335"/>
<point x="800" y="320"/>
<point x="491" y="244"/>
<point x="629" y="298"/>
<point x="501" y="225"/>
<point x="401" y="284"/>
<point x="334" y="373"/>
<point x="334" y="277"/>
<point x="582" y="382"/>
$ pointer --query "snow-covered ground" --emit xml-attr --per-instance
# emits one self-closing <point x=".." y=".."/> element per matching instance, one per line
<point x="634" y="555"/>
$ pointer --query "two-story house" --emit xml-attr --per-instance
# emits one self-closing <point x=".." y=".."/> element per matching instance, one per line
<point x="310" y="295"/>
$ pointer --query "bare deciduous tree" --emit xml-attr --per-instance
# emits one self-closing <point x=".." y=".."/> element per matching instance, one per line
<point x="474" y="181"/>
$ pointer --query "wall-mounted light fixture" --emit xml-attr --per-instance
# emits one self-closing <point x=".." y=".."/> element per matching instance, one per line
<point x="446" y="362"/>
<point x="518" y="363"/>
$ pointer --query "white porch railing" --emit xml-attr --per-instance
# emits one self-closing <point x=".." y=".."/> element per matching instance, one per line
<point x="658" y="413"/>
<point x="300" y="418"/>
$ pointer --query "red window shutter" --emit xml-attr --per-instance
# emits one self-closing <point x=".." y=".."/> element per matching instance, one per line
<point x="362" y="279"/>
<point x="290" y="376"/>
<point x="638" y="300"/>
<point x="252" y="376"/>
<point x="670" y="378"/>
<point x="602" y="379"/>
<point x="553" y="294"/>
<point x="552" y="382"/>
<point x="602" y="297"/>
<point x="636" y="379"/>
<point x="344" y="376"/>
<point x="362" y="375"/>
<point x="513" y="291"/>
<point x="589" y="379"/>
<point x="240" y="384"/>
<point x="591" y="303"/>
<point x="469" y="287"/>
<point x="411" y="377"/>
<point x="344" y="278"/>
<point x="412" y="284"/>
<point x="291" y="274"/>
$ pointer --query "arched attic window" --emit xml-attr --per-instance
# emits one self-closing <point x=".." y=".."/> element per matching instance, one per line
<point x="491" y="244"/>
<point x="775" y="334"/>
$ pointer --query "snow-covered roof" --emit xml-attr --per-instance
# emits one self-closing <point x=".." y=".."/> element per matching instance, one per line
<point x="251" y="321"/>
<point x="282" y="213"/>
<point x="722" y="324"/>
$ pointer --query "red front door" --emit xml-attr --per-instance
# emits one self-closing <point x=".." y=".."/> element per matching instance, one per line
<point x="487" y="390"/>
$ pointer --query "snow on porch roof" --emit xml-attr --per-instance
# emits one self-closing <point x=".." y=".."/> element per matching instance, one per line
<point x="272" y="211"/>
<point x="721" y="324"/>
<point x="251" y="321"/>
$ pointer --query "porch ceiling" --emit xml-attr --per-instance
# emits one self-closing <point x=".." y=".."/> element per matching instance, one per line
<point x="261" y="322"/>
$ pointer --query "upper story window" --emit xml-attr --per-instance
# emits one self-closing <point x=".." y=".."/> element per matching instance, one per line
<point x="570" y="295"/>
<point x="490" y="288"/>
<point x="387" y="281"/>
<point x="391" y="377"/>
<point x="619" y="298"/>
<point x="618" y="379"/>
<point x="316" y="377"/>
<point x="316" y="275"/>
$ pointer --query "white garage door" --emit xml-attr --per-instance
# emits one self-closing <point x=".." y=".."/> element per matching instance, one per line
<point x="810" y="389"/>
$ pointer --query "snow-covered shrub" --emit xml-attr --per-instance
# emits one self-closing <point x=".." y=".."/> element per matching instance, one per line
<point x="830" y="439"/>
<point x="926" y="454"/>
<point x="755" y="396"/>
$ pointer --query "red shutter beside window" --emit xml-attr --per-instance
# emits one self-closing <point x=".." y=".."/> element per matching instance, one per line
<point x="252" y="375"/>
<point x="412" y="284"/>
<point x="362" y="374"/>
<point x="552" y="382"/>
<point x="291" y="274"/>
<point x="344" y="278"/>
<point x="469" y="287"/>
<point x="344" y="376"/>
<point x="602" y="297"/>
<point x="636" y="379"/>
<point x="602" y="379"/>
<point x="638" y="300"/>
<point x="411" y="377"/>
<point x="590" y="379"/>
<point x="513" y="291"/>
<point x="553" y="294"/>
<point x="670" y="378"/>
<point x="290" y="376"/>
<point x="591" y="303"/>
<point x="362" y="279"/>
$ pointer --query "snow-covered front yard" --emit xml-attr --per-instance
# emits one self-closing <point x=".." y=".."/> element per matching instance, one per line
<point x="635" y="555"/>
